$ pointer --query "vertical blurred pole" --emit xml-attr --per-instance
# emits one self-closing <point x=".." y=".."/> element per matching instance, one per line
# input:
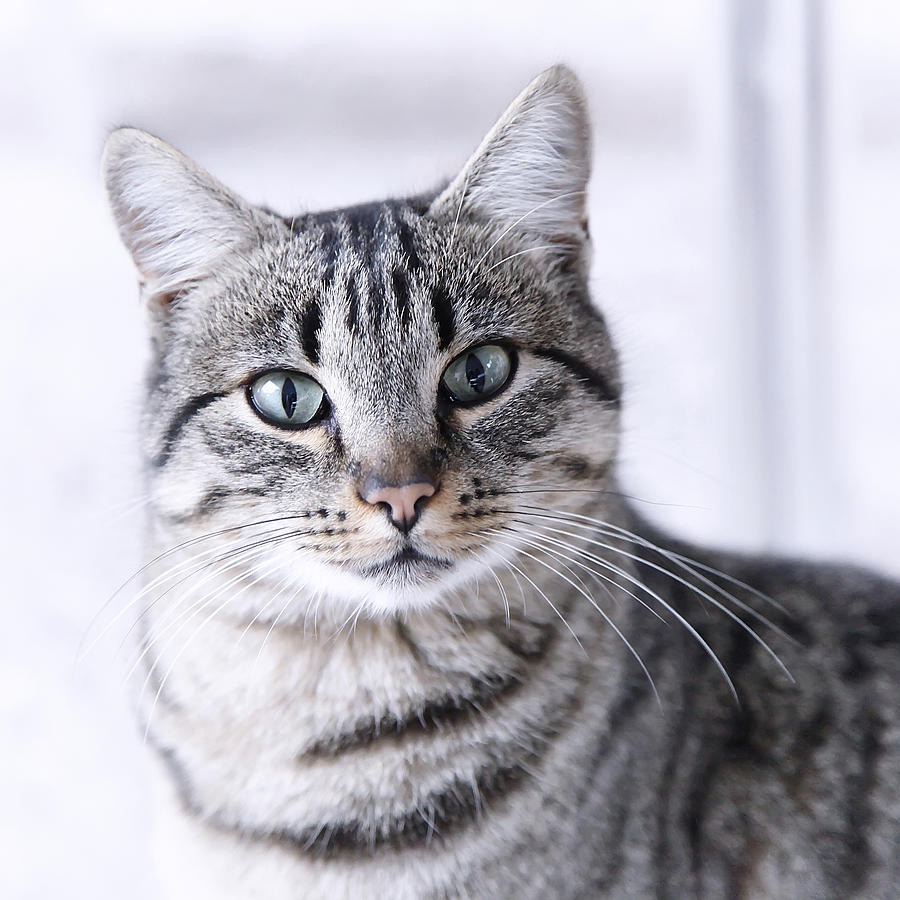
<point x="779" y="226"/>
<point x="828" y="500"/>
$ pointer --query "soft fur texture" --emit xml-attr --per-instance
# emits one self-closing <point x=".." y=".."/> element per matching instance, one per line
<point x="529" y="694"/>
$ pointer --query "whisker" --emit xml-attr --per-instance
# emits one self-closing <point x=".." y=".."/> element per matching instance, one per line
<point x="282" y="586"/>
<point x="233" y="553"/>
<point x="218" y="555"/>
<point x="178" y="656"/>
<point x="277" y="619"/>
<point x="549" y="601"/>
<point x="690" y="628"/>
<point x="347" y="621"/>
<point x="598" y="575"/>
<point x="502" y="594"/>
<point x="555" y="489"/>
<point x="462" y="198"/>
<point x="687" y="561"/>
<point x="518" y="585"/>
<point x="184" y="613"/>
<point x="81" y="653"/>
<point x="737" y="619"/>
<point x="522" y="218"/>
<point x="593" y="603"/>
<point x="636" y="538"/>
<point x="520" y="253"/>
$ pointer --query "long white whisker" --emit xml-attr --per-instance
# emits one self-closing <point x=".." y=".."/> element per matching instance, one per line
<point x="276" y="620"/>
<point x="228" y="599"/>
<point x="218" y="554"/>
<point x="593" y="603"/>
<point x="687" y="584"/>
<point x="532" y="488"/>
<point x="518" y="585"/>
<point x="184" y="613"/>
<point x="82" y="651"/>
<point x="282" y="587"/>
<point x="232" y="556"/>
<point x="351" y="618"/>
<point x="502" y="595"/>
<point x="598" y="575"/>
<point x="549" y="601"/>
<point x="685" y="561"/>
<point x="690" y="628"/>
<point x="462" y="198"/>
<point x="522" y="218"/>
<point x="520" y="253"/>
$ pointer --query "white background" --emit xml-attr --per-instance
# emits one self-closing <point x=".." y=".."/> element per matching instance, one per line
<point x="745" y="214"/>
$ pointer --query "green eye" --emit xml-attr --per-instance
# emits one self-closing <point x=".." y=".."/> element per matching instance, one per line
<point x="478" y="373"/>
<point x="287" y="399"/>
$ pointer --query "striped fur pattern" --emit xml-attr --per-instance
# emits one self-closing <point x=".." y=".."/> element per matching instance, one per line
<point x="528" y="693"/>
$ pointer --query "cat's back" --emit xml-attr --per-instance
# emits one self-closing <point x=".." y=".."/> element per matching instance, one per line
<point x="795" y="792"/>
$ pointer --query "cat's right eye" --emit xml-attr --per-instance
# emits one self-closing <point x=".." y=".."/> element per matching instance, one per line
<point x="287" y="399"/>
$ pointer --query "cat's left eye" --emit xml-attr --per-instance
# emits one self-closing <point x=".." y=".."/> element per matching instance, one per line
<point x="478" y="373"/>
<point x="287" y="399"/>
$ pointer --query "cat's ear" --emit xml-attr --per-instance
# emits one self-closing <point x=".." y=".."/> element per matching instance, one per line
<point x="530" y="173"/>
<point x="176" y="219"/>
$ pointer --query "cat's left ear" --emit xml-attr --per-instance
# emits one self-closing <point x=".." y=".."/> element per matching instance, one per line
<point x="178" y="221"/>
<point x="529" y="177"/>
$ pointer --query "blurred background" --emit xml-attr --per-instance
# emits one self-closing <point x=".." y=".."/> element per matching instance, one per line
<point x="745" y="214"/>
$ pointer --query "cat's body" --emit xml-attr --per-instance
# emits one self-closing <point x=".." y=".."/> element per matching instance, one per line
<point x="536" y="771"/>
<point x="406" y="646"/>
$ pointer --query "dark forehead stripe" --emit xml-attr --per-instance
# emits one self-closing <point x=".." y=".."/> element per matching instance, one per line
<point x="375" y="305"/>
<point x="444" y="317"/>
<point x="352" y="303"/>
<point x="369" y="234"/>
<point x="401" y="294"/>
<point x="593" y="381"/>
<point x="408" y="245"/>
<point x="309" y="331"/>
<point x="330" y="242"/>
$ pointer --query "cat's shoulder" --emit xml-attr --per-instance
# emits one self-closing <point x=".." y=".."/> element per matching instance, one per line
<point x="837" y="617"/>
<point x="844" y="621"/>
<point x="864" y="603"/>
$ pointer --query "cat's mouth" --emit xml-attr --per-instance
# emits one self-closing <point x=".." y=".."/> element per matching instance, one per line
<point x="407" y="563"/>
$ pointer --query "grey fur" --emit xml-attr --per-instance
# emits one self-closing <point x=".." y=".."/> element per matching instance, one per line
<point x="338" y="723"/>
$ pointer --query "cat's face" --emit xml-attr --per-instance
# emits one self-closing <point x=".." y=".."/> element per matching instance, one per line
<point x="374" y="385"/>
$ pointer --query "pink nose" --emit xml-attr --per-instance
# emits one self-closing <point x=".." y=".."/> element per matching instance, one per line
<point x="401" y="500"/>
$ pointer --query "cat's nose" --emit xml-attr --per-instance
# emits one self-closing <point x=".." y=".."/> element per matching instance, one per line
<point x="405" y="501"/>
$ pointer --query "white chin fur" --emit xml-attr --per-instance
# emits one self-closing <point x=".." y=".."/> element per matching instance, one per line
<point x="301" y="590"/>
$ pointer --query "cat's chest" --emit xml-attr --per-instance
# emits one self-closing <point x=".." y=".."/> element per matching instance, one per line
<point x="289" y="731"/>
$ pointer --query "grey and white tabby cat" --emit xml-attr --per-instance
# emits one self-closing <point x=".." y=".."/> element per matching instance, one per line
<point x="404" y="637"/>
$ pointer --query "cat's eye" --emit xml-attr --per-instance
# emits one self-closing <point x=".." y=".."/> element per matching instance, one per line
<point x="478" y="373"/>
<point x="288" y="399"/>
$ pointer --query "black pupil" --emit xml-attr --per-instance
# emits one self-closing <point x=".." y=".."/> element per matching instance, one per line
<point x="288" y="397"/>
<point x="475" y="373"/>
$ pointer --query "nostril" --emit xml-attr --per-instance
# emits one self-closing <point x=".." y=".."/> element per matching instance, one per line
<point x="405" y="502"/>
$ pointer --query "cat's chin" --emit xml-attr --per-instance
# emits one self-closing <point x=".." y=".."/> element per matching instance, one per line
<point x="408" y="566"/>
<point x="407" y="581"/>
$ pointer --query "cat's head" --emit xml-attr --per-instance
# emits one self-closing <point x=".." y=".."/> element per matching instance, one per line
<point x="373" y="386"/>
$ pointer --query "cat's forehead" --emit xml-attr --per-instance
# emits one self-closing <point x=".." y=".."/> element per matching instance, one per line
<point x="376" y="284"/>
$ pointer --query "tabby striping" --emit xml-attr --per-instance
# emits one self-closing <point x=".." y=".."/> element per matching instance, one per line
<point x="499" y="681"/>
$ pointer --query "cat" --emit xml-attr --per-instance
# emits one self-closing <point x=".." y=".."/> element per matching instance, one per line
<point x="402" y="635"/>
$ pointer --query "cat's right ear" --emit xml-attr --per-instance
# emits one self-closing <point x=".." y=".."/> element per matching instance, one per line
<point x="177" y="221"/>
